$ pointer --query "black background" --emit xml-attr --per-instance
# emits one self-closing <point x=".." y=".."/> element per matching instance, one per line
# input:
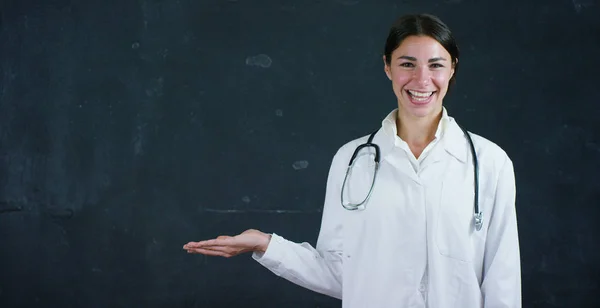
<point x="128" y="128"/>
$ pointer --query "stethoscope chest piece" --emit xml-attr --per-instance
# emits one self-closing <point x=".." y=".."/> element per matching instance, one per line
<point x="478" y="220"/>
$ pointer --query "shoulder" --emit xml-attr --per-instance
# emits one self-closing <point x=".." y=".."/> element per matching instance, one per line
<point x="347" y="148"/>
<point x="493" y="160"/>
<point x="344" y="152"/>
<point x="351" y="145"/>
<point x="489" y="151"/>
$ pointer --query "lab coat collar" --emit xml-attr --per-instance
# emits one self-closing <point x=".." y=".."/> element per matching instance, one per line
<point x="455" y="141"/>
<point x="452" y="136"/>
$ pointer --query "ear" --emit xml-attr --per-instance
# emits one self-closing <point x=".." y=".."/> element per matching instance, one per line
<point x="453" y="66"/>
<point x="387" y="69"/>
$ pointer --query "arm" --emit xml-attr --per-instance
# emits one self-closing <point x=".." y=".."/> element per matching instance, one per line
<point x="501" y="285"/>
<point x="318" y="269"/>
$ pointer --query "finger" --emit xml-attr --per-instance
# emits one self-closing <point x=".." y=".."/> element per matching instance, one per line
<point x="214" y="242"/>
<point x="220" y="237"/>
<point x="208" y="247"/>
<point x="209" y="252"/>
<point x="222" y="249"/>
<point x="206" y="252"/>
<point x="198" y="244"/>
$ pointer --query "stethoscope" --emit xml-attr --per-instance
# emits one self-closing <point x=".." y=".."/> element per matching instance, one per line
<point x="478" y="216"/>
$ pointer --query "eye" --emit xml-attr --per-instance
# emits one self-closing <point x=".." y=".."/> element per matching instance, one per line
<point x="406" y="64"/>
<point x="436" y="65"/>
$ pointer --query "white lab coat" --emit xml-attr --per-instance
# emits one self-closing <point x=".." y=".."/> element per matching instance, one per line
<point x="414" y="245"/>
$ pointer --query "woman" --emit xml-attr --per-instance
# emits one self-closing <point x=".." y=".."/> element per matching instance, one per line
<point x="414" y="242"/>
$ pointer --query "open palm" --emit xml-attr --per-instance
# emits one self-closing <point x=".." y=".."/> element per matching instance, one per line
<point x="229" y="246"/>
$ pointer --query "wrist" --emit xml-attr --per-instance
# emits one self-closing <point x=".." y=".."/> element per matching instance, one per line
<point x="265" y="240"/>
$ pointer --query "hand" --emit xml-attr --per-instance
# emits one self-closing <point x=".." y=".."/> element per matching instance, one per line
<point x="229" y="246"/>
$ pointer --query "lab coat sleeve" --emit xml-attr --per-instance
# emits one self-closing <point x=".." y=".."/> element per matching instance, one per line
<point x="318" y="269"/>
<point x="501" y="286"/>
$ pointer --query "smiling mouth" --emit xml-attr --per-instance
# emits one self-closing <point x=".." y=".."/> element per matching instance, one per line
<point x="420" y="96"/>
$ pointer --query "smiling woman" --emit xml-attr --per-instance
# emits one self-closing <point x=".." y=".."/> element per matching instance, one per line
<point x="421" y="59"/>
<point x="420" y="70"/>
<point x="412" y="242"/>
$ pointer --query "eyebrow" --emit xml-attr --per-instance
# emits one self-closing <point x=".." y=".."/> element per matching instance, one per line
<point x="415" y="59"/>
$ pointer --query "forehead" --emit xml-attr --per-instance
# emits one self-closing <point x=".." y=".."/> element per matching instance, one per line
<point x="421" y="47"/>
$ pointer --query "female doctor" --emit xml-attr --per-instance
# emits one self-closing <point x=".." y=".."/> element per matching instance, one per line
<point x="435" y="229"/>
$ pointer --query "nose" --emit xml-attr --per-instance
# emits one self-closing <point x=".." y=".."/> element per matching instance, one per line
<point x="422" y="76"/>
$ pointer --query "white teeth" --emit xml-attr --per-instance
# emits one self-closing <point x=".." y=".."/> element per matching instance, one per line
<point x="420" y="94"/>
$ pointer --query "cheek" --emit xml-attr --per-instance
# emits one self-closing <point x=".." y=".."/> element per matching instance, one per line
<point x="441" y="79"/>
<point x="400" y="79"/>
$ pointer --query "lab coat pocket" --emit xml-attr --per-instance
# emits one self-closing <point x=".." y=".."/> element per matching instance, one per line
<point x="454" y="223"/>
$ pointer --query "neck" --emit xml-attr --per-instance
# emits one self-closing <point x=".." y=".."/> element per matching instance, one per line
<point x="416" y="131"/>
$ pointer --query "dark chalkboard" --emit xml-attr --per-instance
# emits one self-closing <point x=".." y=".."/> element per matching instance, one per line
<point x="128" y="128"/>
